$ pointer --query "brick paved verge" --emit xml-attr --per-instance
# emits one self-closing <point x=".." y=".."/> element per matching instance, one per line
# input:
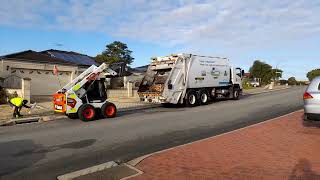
<point x="284" y="148"/>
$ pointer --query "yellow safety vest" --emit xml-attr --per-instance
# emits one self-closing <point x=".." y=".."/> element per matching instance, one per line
<point x="17" y="101"/>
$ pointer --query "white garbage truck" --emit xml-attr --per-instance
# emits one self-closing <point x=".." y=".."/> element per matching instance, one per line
<point x="190" y="79"/>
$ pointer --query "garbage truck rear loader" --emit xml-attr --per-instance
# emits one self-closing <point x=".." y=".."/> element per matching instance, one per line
<point x="190" y="79"/>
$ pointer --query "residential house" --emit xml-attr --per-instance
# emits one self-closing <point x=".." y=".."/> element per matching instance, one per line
<point x="38" y="66"/>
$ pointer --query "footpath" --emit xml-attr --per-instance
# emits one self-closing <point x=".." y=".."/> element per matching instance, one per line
<point x="283" y="148"/>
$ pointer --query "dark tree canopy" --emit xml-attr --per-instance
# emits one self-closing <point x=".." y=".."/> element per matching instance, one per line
<point x="292" y="81"/>
<point x="264" y="72"/>
<point x="312" y="74"/>
<point x="115" y="52"/>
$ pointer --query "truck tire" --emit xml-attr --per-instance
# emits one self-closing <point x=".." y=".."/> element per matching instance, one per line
<point x="109" y="110"/>
<point x="236" y="94"/>
<point x="192" y="98"/>
<point x="204" y="97"/>
<point x="86" y="112"/>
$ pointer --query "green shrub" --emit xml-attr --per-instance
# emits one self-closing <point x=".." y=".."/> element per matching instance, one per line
<point x="246" y="84"/>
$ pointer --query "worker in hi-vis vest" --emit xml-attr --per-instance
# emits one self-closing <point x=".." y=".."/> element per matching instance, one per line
<point x="17" y="103"/>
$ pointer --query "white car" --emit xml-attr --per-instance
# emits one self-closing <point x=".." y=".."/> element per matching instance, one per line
<point x="312" y="100"/>
<point x="254" y="83"/>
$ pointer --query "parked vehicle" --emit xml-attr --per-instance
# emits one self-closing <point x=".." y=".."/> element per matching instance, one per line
<point x="86" y="97"/>
<point x="190" y="79"/>
<point x="312" y="100"/>
<point x="254" y="83"/>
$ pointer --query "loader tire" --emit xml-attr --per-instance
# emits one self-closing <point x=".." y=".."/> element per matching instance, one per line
<point x="87" y="112"/>
<point x="109" y="110"/>
<point x="192" y="98"/>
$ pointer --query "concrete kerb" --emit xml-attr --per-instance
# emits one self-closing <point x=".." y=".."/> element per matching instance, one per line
<point x="86" y="171"/>
<point x="149" y="106"/>
<point x="20" y="121"/>
<point x="30" y="120"/>
<point x="267" y="91"/>
<point x="139" y="172"/>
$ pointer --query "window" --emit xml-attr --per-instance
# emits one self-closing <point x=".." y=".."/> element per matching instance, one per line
<point x="238" y="72"/>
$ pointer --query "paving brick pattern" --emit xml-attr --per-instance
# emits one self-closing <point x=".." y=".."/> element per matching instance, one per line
<point x="285" y="148"/>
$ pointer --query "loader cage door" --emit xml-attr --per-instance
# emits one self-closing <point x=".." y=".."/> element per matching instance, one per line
<point x="96" y="91"/>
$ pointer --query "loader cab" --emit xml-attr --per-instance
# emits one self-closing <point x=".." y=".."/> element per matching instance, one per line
<point x="95" y="91"/>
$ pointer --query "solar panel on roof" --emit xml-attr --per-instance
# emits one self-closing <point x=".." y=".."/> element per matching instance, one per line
<point x="78" y="59"/>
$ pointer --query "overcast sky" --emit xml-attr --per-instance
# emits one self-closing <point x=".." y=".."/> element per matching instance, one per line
<point x="285" y="34"/>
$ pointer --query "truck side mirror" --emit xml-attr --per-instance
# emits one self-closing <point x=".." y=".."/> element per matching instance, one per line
<point x="242" y="73"/>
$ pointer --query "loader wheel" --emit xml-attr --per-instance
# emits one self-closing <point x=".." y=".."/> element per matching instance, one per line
<point x="203" y="97"/>
<point x="109" y="110"/>
<point x="87" y="112"/>
<point x="192" y="98"/>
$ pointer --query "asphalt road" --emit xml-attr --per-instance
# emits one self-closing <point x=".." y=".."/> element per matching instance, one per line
<point x="46" y="150"/>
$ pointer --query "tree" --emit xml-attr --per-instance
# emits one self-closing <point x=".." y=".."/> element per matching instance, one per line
<point x="115" y="52"/>
<point x="277" y="73"/>
<point x="262" y="71"/>
<point x="312" y="74"/>
<point x="292" y="81"/>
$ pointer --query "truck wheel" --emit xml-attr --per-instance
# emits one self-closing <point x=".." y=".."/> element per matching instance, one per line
<point x="87" y="112"/>
<point x="236" y="94"/>
<point x="109" y="110"/>
<point x="192" y="98"/>
<point x="204" y="97"/>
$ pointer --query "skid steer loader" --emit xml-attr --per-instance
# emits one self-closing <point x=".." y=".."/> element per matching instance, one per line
<point x="85" y="96"/>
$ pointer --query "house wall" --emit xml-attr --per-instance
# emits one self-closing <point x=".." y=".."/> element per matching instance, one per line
<point x="43" y="82"/>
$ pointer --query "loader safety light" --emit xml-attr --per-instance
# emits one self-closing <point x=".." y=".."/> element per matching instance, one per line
<point x="306" y="95"/>
<point x="71" y="102"/>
